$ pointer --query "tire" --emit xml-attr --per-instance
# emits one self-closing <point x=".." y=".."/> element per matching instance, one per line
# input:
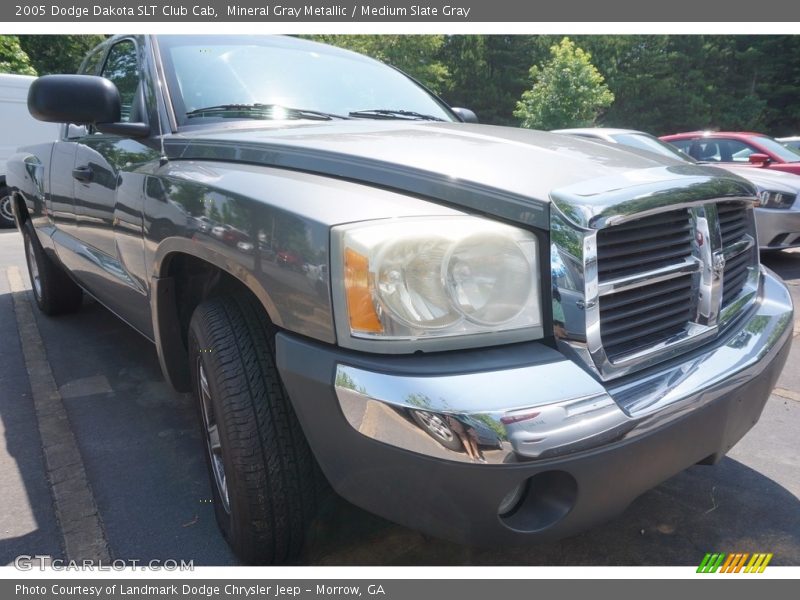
<point x="6" y="213"/>
<point x="435" y="426"/>
<point x="266" y="494"/>
<point x="54" y="291"/>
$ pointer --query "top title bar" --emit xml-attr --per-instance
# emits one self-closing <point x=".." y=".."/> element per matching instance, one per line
<point x="454" y="11"/>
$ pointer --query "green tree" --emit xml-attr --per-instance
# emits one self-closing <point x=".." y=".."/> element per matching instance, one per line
<point x="488" y="73"/>
<point x="58" y="53"/>
<point x="13" y="58"/>
<point x="567" y="91"/>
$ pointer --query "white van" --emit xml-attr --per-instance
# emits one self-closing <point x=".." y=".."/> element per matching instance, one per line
<point x="17" y="128"/>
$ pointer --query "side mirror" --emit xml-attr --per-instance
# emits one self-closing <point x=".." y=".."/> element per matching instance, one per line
<point x="759" y="159"/>
<point x="82" y="100"/>
<point x="465" y="114"/>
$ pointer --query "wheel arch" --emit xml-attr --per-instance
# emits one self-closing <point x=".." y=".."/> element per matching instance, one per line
<point x="184" y="274"/>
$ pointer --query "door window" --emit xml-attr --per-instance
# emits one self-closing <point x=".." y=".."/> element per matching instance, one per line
<point x="738" y="151"/>
<point x="91" y="65"/>
<point x="122" y="68"/>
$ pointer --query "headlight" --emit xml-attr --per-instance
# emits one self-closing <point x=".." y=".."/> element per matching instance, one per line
<point x="419" y="282"/>
<point x="767" y="199"/>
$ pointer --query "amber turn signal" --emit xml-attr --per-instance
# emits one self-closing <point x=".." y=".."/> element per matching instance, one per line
<point x="360" y="308"/>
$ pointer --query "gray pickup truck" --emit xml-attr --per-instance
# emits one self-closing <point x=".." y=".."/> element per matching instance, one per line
<point x="489" y="334"/>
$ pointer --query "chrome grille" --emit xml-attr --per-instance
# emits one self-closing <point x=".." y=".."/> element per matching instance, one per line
<point x="637" y="313"/>
<point x="734" y="233"/>
<point x="632" y="289"/>
<point x="645" y="316"/>
<point x="732" y="221"/>
<point x="644" y="244"/>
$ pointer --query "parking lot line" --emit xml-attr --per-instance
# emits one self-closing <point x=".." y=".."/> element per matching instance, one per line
<point x="788" y="394"/>
<point x="75" y="507"/>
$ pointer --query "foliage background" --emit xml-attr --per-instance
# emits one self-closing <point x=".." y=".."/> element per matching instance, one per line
<point x="567" y="91"/>
<point x="661" y="83"/>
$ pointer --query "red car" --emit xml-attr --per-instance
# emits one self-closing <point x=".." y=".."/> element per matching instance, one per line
<point x="737" y="147"/>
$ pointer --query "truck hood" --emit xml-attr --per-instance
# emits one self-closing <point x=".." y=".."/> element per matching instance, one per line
<point x="509" y="172"/>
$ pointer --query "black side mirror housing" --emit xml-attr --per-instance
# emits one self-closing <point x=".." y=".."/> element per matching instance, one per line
<point x="465" y="114"/>
<point x="79" y="99"/>
<point x="82" y="100"/>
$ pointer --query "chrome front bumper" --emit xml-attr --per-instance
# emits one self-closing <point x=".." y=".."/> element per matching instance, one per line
<point x="553" y="408"/>
<point x="778" y="228"/>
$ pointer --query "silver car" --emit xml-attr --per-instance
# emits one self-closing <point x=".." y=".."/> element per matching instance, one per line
<point x="777" y="217"/>
<point x="791" y="141"/>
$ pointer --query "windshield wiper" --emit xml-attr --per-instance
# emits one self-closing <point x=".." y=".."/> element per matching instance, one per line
<point x="388" y="113"/>
<point x="264" y="109"/>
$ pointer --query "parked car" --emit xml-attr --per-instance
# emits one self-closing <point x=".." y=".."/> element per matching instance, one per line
<point x="440" y="239"/>
<point x="777" y="212"/>
<point x="229" y="234"/>
<point x="19" y="129"/>
<point x="792" y="142"/>
<point x="290" y="259"/>
<point x="742" y="148"/>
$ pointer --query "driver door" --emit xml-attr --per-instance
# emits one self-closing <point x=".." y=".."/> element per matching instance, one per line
<point x="108" y="197"/>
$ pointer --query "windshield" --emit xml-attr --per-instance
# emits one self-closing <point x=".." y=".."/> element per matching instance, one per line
<point x="241" y="71"/>
<point x="651" y="144"/>
<point x="783" y="152"/>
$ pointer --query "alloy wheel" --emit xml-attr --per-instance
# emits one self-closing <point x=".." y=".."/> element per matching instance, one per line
<point x="211" y="430"/>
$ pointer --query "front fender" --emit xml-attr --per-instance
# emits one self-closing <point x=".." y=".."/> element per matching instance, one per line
<point x="267" y="227"/>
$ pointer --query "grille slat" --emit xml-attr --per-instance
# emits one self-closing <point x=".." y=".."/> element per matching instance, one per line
<point x="644" y="244"/>
<point x="733" y="234"/>
<point x="615" y="250"/>
<point x="639" y="337"/>
<point x="625" y="235"/>
<point x="643" y="294"/>
<point x="637" y="308"/>
<point x="732" y="275"/>
<point x="736" y="285"/>
<point x="739" y="262"/>
<point x="737" y="280"/>
<point x="612" y="328"/>
<point x="734" y="226"/>
<point x="645" y="261"/>
<point x="649" y="314"/>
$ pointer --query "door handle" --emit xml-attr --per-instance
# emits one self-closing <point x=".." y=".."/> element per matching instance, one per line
<point x="84" y="174"/>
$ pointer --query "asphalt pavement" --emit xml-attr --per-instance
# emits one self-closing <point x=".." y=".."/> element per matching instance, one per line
<point x="141" y="451"/>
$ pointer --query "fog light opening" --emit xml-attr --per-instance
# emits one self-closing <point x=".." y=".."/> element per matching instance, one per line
<point x="539" y="502"/>
<point x="512" y="500"/>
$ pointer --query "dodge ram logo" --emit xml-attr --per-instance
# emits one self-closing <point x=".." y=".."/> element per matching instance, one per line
<point x="719" y="264"/>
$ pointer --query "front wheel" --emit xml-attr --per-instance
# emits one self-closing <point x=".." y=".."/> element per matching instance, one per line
<point x="263" y="475"/>
<point x="435" y="425"/>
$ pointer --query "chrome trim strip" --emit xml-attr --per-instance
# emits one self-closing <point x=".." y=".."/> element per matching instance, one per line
<point x="737" y="248"/>
<point x="730" y="313"/>
<point x="709" y="287"/>
<point x="623" y="284"/>
<point x="568" y="407"/>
